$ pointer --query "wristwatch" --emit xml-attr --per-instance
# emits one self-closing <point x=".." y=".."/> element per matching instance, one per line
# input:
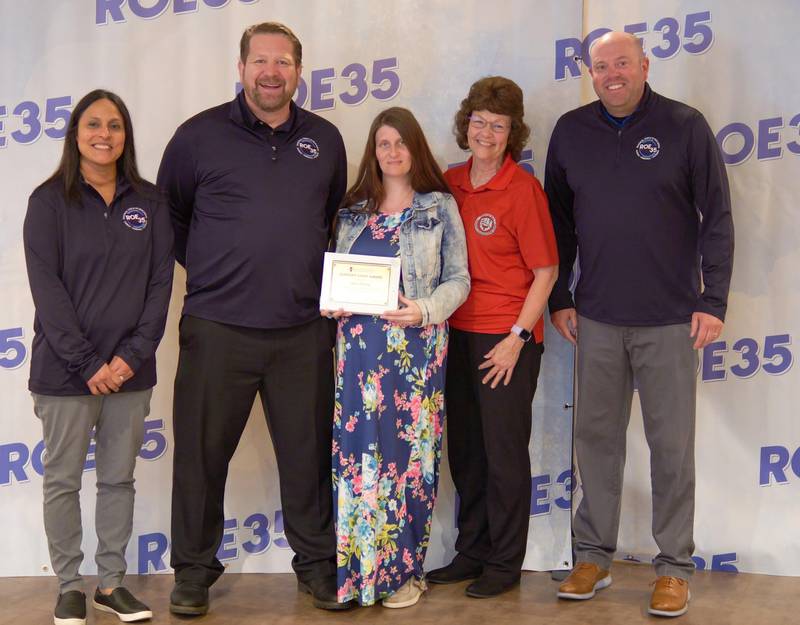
<point x="521" y="333"/>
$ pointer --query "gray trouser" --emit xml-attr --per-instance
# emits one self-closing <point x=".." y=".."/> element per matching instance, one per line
<point x="664" y="364"/>
<point x="67" y="422"/>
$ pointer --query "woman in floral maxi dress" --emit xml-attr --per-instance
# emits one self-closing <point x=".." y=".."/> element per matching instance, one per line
<point x="390" y="369"/>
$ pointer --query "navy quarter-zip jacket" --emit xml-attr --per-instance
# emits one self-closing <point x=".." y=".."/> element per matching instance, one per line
<point x="101" y="279"/>
<point x="647" y="207"/>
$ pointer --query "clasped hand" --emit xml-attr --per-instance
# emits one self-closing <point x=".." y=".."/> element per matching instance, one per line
<point x="110" y="377"/>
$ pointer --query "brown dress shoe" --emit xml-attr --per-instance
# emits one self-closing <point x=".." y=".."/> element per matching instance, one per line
<point x="586" y="578"/>
<point x="670" y="596"/>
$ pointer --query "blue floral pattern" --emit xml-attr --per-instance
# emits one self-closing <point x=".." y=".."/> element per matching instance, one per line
<point x="387" y="439"/>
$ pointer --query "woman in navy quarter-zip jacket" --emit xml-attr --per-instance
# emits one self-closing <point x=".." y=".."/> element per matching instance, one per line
<point x="98" y="248"/>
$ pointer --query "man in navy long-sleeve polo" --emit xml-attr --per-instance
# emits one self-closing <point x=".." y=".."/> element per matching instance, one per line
<point x="253" y="187"/>
<point x="637" y="186"/>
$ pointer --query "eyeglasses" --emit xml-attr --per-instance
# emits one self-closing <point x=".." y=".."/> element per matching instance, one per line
<point x="478" y="123"/>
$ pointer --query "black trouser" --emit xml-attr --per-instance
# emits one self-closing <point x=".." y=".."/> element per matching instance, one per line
<point x="488" y="431"/>
<point x="220" y="370"/>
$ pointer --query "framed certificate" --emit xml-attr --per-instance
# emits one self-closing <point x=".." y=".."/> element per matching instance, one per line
<point x="357" y="283"/>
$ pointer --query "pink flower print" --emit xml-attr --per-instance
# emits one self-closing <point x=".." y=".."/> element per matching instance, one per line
<point x="346" y="590"/>
<point x="408" y="560"/>
<point x="371" y="392"/>
<point x="400" y="400"/>
<point x="356" y="330"/>
<point x="415" y="404"/>
<point x="377" y="231"/>
<point x="351" y="423"/>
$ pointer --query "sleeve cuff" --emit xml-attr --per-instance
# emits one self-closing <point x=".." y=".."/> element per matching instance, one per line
<point x="88" y="371"/>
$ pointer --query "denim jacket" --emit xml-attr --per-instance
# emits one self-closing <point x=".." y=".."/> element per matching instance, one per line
<point x="433" y="252"/>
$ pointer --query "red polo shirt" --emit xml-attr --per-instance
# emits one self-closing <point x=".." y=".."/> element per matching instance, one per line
<point x="509" y="233"/>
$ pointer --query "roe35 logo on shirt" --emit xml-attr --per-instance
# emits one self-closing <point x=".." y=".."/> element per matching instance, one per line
<point x="308" y="147"/>
<point x="648" y="148"/>
<point x="135" y="218"/>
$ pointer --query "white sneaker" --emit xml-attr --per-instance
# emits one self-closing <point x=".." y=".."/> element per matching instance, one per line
<point x="407" y="595"/>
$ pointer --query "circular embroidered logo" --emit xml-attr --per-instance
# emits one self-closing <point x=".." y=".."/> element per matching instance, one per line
<point x="485" y="224"/>
<point x="308" y="147"/>
<point x="648" y="148"/>
<point x="135" y="218"/>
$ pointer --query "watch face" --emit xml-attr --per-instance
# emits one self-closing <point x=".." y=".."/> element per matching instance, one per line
<point x="521" y="333"/>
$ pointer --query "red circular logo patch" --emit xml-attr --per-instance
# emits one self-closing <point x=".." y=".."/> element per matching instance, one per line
<point x="485" y="224"/>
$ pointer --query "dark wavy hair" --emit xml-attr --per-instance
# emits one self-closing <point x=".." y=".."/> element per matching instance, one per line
<point x="270" y="28"/>
<point x="69" y="169"/>
<point x="500" y="96"/>
<point x="425" y="174"/>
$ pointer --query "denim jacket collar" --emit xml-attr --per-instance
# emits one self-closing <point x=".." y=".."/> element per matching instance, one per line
<point x="421" y="202"/>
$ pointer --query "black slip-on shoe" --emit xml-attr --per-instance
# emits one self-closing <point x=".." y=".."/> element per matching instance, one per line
<point x="188" y="598"/>
<point x="70" y="609"/>
<point x="122" y="603"/>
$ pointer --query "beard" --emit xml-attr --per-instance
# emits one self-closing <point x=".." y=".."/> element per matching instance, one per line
<point x="270" y="104"/>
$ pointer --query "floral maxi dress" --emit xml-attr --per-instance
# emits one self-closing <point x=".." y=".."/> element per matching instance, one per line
<point x="386" y="439"/>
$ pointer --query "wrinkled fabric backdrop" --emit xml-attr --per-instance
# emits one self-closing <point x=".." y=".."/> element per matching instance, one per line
<point x="169" y="59"/>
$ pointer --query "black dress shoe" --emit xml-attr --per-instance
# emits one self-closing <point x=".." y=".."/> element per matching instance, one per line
<point x="459" y="570"/>
<point x="188" y="598"/>
<point x="323" y="592"/>
<point x="485" y="587"/>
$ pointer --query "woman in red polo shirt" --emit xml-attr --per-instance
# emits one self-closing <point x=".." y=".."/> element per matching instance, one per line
<point x="496" y="338"/>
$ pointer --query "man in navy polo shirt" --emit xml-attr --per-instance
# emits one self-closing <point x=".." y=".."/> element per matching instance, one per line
<point x="637" y="185"/>
<point x="253" y="186"/>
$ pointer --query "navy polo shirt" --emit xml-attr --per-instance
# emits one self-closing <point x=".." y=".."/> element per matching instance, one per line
<point x="101" y="279"/>
<point x="251" y="208"/>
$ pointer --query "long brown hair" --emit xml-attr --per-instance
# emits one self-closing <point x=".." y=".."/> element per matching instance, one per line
<point x="69" y="172"/>
<point x="425" y="175"/>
